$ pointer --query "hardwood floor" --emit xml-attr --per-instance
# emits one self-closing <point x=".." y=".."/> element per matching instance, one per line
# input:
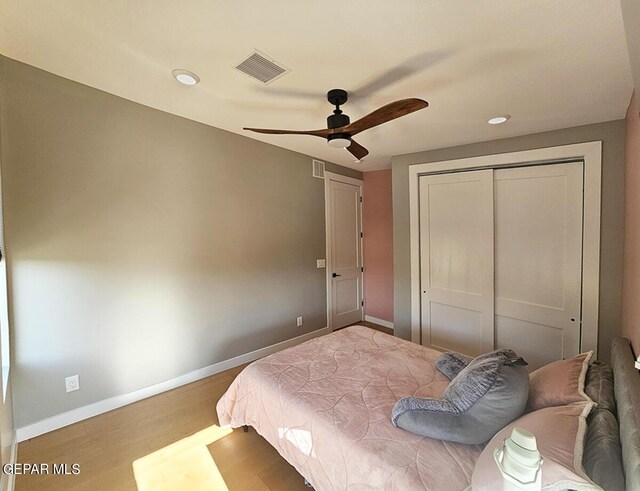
<point x="107" y="445"/>
<point x="371" y="325"/>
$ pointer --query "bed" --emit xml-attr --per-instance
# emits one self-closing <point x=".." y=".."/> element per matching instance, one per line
<point x="325" y="405"/>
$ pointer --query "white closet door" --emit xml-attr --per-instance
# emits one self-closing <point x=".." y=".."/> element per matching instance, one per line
<point x="456" y="242"/>
<point x="538" y="260"/>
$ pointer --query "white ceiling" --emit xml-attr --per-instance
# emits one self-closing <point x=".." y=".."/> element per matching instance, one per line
<point x="550" y="64"/>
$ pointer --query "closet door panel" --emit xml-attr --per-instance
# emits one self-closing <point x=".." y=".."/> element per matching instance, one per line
<point x="538" y="260"/>
<point x="455" y="230"/>
<point x="456" y="328"/>
<point x="456" y="254"/>
<point x="537" y="343"/>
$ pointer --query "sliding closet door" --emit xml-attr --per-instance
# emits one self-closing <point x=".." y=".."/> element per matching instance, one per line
<point x="456" y="253"/>
<point x="538" y="260"/>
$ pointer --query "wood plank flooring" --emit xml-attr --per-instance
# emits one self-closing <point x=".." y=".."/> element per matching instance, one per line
<point x="107" y="445"/>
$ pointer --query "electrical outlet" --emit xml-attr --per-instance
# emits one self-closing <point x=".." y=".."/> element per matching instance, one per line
<point x="299" y="321"/>
<point x="72" y="383"/>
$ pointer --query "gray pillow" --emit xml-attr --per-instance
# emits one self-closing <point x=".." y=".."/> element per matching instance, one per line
<point x="599" y="386"/>
<point x="450" y="364"/>
<point x="602" y="457"/>
<point x="487" y="394"/>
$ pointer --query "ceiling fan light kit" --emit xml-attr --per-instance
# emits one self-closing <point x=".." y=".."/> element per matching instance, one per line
<point x="339" y="140"/>
<point x="340" y="130"/>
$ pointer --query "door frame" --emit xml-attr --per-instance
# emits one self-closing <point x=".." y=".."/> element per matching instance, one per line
<point x="328" y="177"/>
<point x="591" y="154"/>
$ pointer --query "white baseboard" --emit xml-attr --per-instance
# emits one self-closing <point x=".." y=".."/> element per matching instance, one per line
<point x="91" y="410"/>
<point x="380" y="322"/>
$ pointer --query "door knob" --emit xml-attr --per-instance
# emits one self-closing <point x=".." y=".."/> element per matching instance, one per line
<point x="336" y="275"/>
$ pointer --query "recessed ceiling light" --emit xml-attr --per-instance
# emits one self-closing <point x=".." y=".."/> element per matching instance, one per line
<point x="185" y="77"/>
<point x="499" y="119"/>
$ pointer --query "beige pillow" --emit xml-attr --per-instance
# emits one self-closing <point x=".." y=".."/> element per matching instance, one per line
<point x="559" y="383"/>
<point x="560" y="432"/>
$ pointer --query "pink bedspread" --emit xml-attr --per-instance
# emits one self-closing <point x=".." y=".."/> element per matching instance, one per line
<point x="325" y="405"/>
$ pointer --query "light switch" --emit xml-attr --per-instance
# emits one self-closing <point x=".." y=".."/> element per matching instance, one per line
<point x="321" y="263"/>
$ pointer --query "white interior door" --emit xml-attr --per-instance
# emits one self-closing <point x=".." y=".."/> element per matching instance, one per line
<point x="538" y="260"/>
<point x="456" y="254"/>
<point x="345" y="254"/>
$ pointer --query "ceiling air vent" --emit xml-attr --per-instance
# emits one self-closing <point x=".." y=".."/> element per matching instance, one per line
<point x="318" y="168"/>
<point x="262" y="67"/>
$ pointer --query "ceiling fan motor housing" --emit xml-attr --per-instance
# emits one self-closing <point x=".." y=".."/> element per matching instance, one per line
<point x="337" y="97"/>
<point x="337" y="120"/>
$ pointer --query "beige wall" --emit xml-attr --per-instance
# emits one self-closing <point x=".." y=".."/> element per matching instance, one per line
<point x="612" y="136"/>
<point x="6" y="433"/>
<point x="631" y="279"/>
<point x="144" y="245"/>
<point x="6" y="402"/>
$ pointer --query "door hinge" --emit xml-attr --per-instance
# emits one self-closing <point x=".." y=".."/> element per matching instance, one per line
<point x="360" y="199"/>
<point x="362" y="270"/>
<point x="361" y="234"/>
<point x="362" y="303"/>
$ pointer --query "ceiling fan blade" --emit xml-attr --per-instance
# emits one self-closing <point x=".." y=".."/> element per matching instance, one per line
<point x="385" y="113"/>
<point x="357" y="150"/>
<point x="322" y="133"/>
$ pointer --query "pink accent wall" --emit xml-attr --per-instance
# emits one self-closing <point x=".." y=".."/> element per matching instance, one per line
<point x="378" y="245"/>
<point x="631" y="273"/>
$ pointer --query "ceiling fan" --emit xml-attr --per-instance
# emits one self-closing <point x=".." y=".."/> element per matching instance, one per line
<point x="340" y="130"/>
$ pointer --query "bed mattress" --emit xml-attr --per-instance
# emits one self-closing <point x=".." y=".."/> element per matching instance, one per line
<point x="325" y="405"/>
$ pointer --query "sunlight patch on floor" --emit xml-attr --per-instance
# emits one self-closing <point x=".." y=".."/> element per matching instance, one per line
<point x="186" y="465"/>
